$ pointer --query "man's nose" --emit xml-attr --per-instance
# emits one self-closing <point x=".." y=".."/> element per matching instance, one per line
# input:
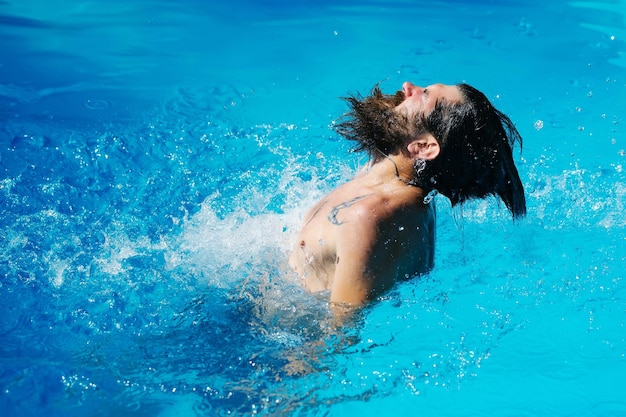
<point x="409" y="88"/>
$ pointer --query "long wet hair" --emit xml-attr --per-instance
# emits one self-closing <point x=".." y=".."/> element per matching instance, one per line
<point x="476" y="142"/>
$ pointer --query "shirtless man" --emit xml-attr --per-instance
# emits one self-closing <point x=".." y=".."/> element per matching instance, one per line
<point x="379" y="227"/>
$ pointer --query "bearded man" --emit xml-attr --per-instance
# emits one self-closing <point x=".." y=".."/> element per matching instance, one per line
<point x="379" y="227"/>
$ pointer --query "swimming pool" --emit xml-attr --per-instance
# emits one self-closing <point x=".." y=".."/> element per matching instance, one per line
<point x="156" y="158"/>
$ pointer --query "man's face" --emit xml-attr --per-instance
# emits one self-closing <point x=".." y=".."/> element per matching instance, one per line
<point x="383" y="123"/>
<point x="422" y="100"/>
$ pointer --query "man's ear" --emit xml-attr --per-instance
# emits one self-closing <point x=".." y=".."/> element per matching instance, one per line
<point x="424" y="147"/>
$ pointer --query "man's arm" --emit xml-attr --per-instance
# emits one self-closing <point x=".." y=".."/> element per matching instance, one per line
<point x="359" y="274"/>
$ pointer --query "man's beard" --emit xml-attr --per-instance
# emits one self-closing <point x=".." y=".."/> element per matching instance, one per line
<point x="375" y="125"/>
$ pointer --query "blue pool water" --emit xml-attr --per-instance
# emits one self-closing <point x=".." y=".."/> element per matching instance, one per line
<point x="156" y="158"/>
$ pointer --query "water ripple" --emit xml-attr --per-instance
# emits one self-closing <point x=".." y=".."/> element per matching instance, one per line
<point x="97" y="104"/>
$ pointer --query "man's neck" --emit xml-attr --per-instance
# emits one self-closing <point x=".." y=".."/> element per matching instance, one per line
<point x="393" y="168"/>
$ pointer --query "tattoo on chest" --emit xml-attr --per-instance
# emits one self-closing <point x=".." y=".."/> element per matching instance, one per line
<point x="332" y="216"/>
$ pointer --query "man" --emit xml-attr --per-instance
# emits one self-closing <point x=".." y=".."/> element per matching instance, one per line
<point x="379" y="227"/>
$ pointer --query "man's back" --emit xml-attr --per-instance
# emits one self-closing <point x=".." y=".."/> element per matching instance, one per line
<point x="364" y="236"/>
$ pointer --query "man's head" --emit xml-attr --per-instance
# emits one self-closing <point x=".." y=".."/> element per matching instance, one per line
<point x="474" y="155"/>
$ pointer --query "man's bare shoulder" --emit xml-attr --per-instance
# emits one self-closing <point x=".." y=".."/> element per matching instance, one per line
<point x="379" y="207"/>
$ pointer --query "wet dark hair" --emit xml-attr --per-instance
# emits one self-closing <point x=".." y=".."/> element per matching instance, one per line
<point x="476" y="142"/>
